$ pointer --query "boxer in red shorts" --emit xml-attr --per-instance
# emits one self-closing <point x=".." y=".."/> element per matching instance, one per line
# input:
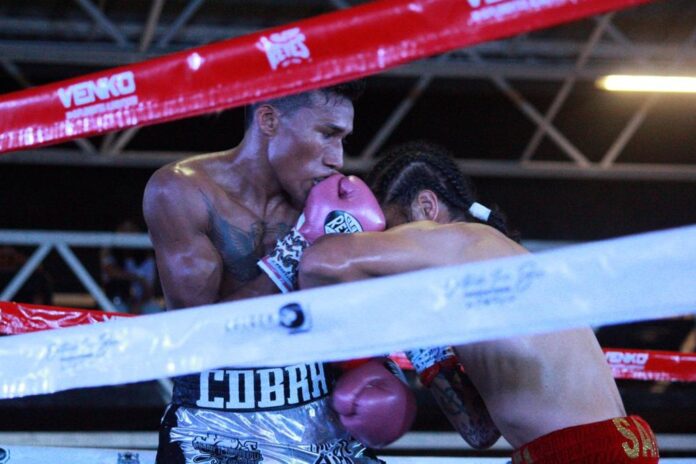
<point x="552" y="395"/>
<point x="615" y="441"/>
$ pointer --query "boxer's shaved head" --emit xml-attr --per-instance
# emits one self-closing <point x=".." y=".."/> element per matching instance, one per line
<point x="350" y="91"/>
<point x="407" y="169"/>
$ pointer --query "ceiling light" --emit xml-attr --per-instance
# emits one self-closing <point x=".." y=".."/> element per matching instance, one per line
<point x="625" y="83"/>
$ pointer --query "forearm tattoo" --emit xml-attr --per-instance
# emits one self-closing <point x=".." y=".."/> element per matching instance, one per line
<point x="465" y="409"/>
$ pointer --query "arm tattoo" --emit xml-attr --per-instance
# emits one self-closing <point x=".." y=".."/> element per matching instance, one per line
<point x="464" y="408"/>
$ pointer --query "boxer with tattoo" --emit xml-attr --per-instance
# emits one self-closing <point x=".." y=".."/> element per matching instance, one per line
<point x="211" y="219"/>
<point x="552" y="396"/>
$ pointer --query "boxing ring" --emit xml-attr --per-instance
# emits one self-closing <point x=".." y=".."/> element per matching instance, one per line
<point x="635" y="278"/>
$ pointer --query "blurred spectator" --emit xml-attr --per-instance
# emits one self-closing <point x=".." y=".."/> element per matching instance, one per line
<point x="129" y="276"/>
<point x="38" y="289"/>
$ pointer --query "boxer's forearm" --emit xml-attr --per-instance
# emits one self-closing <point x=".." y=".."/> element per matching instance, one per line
<point x="464" y="408"/>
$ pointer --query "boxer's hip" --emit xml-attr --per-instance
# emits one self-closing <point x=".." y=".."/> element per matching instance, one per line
<point x="307" y="433"/>
<point x="269" y="415"/>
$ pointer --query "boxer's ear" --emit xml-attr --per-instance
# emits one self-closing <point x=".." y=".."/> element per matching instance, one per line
<point x="267" y="118"/>
<point x="425" y="207"/>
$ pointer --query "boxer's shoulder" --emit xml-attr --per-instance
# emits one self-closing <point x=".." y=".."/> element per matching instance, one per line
<point x="454" y="242"/>
<point x="480" y="241"/>
<point x="174" y="180"/>
<point x="202" y="181"/>
<point x="178" y="195"/>
<point x="169" y="187"/>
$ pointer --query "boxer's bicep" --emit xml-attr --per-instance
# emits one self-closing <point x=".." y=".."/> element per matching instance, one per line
<point x="346" y="258"/>
<point x="190" y="275"/>
<point x="189" y="266"/>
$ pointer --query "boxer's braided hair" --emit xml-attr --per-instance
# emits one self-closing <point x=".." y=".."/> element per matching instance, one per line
<point x="407" y="169"/>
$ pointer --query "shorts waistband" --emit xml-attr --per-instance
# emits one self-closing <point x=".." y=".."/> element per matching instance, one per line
<point x="618" y="440"/>
<point x="257" y="389"/>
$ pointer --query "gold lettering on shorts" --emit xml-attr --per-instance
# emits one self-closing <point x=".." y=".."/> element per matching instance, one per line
<point x="527" y="457"/>
<point x="522" y="456"/>
<point x="622" y="425"/>
<point x="646" y="437"/>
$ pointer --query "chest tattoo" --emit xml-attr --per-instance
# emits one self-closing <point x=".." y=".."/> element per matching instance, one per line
<point x="240" y="249"/>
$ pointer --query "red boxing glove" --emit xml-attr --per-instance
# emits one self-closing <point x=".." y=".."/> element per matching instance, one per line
<point x="336" y="205"/>
<point x="373" y="404"/>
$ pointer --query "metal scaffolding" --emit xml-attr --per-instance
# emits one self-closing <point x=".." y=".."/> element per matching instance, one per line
<point x="95" y="35"/>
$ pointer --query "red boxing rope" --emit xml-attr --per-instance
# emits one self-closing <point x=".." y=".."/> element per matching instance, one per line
<point x="296" y="57"/>
<point x="632" y="364"/>
<point x="651" y="365"/>
<point x="19" y="318"/>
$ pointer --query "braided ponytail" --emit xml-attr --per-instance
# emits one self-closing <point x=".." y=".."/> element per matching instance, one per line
<point x="407" y="169"/>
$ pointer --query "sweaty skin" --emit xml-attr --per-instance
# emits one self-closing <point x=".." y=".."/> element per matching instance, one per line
<point x="531" y="385"/>
<point x="213" y="216"/>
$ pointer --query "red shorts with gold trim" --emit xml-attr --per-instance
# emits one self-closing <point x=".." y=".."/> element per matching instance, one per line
<point x="615" y="441"/>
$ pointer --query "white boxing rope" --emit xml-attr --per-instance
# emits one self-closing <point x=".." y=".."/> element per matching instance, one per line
<point x="638" y="277"/>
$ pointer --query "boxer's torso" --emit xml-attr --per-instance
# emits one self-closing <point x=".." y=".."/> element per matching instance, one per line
<point x="539" y="384"/>
<point x="243" y="226"/>
<point x="272" y="413"/>
<point x="278" y="413"/>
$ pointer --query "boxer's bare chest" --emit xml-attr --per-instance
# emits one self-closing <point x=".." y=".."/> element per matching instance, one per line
<point x="242" y="236"/>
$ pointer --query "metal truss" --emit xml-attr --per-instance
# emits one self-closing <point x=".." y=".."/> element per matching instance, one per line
<point x="565" y="58"/>
<point x="62" y="243"/>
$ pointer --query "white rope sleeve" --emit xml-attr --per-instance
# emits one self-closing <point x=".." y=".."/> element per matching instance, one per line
<point x="638" y="277"/>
